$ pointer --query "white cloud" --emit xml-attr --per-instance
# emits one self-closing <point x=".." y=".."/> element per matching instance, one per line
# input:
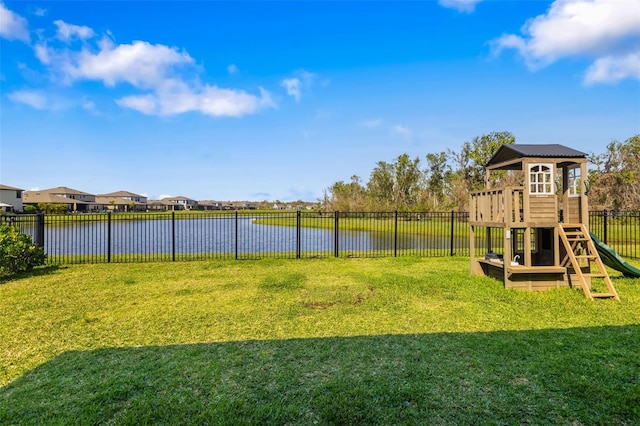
<point x="466" y="6"/>
<point x="164" y="76"/>
<point x="67" y="32"/>
<point x="42" y="53"/>
<point x="88" y="105"/>
<point x="51" y="101"/>
<point x="403" y="132"/>
<point x="13" y="26"/>
<point x="40" y="12"/>
<point x="293" y="87"/>
<point x="146" y="104"/>
<point x="302" y="79"/>
<point x="141" y="64"/>
<point x="175" y="97"/>
<point x="607" y="31"/>
<point x="32" y="98"/>
<point x="371" y="124"/>
<point x="232" y="69"/>
<point x="610" y="69"/>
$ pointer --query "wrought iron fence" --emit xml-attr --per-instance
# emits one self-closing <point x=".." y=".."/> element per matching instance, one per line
<point x="144" y="237"/>
<point x="618" y="229"/>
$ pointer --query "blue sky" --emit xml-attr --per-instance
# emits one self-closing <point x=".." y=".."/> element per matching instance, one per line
<point x="279" y="100"/>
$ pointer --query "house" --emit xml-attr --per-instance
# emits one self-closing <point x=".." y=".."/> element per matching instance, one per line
<point x="210" y="205"/>
<point x="163" y="205"/>
<point x="73" y="199"/>
<point x="186" y="203"/>
<point x="10" y="199"/>
<point x="121" y="201"/>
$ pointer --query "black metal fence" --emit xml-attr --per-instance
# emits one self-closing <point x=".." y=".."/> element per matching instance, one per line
<point x="618" y="229"/>
<point x="144" y="237"/>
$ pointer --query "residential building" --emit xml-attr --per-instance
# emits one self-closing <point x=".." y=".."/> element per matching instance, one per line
<point x="10" y="199"/>
<point x="210" y="205"/>
<point x="163" y="205"/>
<point x="185" y="202"/>
<point x="121" y="201"/>
<point x="75" y="200"/>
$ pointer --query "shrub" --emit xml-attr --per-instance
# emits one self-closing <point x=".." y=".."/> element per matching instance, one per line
<point x="30" y="209"/>
<point x="52" y="208"/>
<point x="18" y="252"/>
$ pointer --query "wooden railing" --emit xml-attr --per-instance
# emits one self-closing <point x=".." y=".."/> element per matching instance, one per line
<point x="498" y="207"/>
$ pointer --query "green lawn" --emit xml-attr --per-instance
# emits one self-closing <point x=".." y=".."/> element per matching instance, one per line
<point x="326" y="341"/>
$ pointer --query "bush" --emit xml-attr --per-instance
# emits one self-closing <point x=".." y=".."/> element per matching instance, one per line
<point x="18" y="252"/>
<point x="30" y="209"/>
<point x="52" y="208"/>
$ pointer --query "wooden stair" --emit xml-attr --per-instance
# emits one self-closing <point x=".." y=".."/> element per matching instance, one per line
<point x="581" y="252"/>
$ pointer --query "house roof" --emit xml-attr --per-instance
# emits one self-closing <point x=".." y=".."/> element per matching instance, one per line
<point x="10" y="188"/>
<point x="119" y="201"/>
<point x="64" y="190"/>
<point x="179" y="198"/>
<point x="510" y="152"/>
<point x="121" y="194"/>
<point x="164" y="202"/>
<point x="33" y="197"/>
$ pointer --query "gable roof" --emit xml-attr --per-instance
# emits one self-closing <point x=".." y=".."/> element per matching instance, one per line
<point x="121" y="194"/>
<point x="119" y="201"/>
<point x="10" y="188"/>
<point x="33" y="197"/>
<point x="64" y="190"/>
<point x="179" y="198"/>
<point x="514" y="151"/>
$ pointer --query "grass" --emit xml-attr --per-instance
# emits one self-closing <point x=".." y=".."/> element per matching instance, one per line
<point x="329" y="341"/>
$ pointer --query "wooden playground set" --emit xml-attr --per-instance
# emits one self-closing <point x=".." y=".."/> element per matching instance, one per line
<point x="535" y="236"/>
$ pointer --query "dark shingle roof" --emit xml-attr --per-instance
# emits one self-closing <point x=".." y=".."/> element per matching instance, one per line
<point x="511" y="152"/>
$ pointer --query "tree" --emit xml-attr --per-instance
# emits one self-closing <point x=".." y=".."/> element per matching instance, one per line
<point x="471" y="160"/>
<point x="380" y="185"/>
<point x="408" y="177"/>
<point x="615" y="183"/>
<point x="343" y="196"/>
<point x="437" y="181"/>
<point x="396" y="185"/>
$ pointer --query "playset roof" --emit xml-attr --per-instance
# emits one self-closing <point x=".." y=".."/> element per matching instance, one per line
<point x="508" y="153"/>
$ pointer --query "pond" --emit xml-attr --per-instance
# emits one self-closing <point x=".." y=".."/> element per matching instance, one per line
<point x="223" y="234"/>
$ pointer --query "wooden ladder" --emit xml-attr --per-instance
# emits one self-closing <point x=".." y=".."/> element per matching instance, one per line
<point x="581" y="249"/>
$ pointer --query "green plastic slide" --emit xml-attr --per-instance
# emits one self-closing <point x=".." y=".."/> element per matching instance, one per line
<point x="613" y="260"/>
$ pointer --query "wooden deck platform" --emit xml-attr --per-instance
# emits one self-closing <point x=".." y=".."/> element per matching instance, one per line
<point x="532" y="278"/>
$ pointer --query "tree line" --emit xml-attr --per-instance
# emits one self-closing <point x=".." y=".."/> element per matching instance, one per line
<point x="442" y="181"/>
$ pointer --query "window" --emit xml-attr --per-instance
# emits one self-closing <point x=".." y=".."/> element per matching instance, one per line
<point x="540" y="179"/>
<point x="18" y="194"/>
<point x="575" y="182"/>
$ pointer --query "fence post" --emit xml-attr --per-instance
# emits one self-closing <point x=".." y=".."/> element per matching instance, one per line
<point x="108" y="237"/>
<point x="236" y="237"/>
<point x="297" y="234"/>
<point x="605" y="214"/>
<point x="39" y="234"/>
<point x="173" y="235"/>
<point x="395" y="233"/>
<point x="336" y="215"/>
<point x="452" y="230"/>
